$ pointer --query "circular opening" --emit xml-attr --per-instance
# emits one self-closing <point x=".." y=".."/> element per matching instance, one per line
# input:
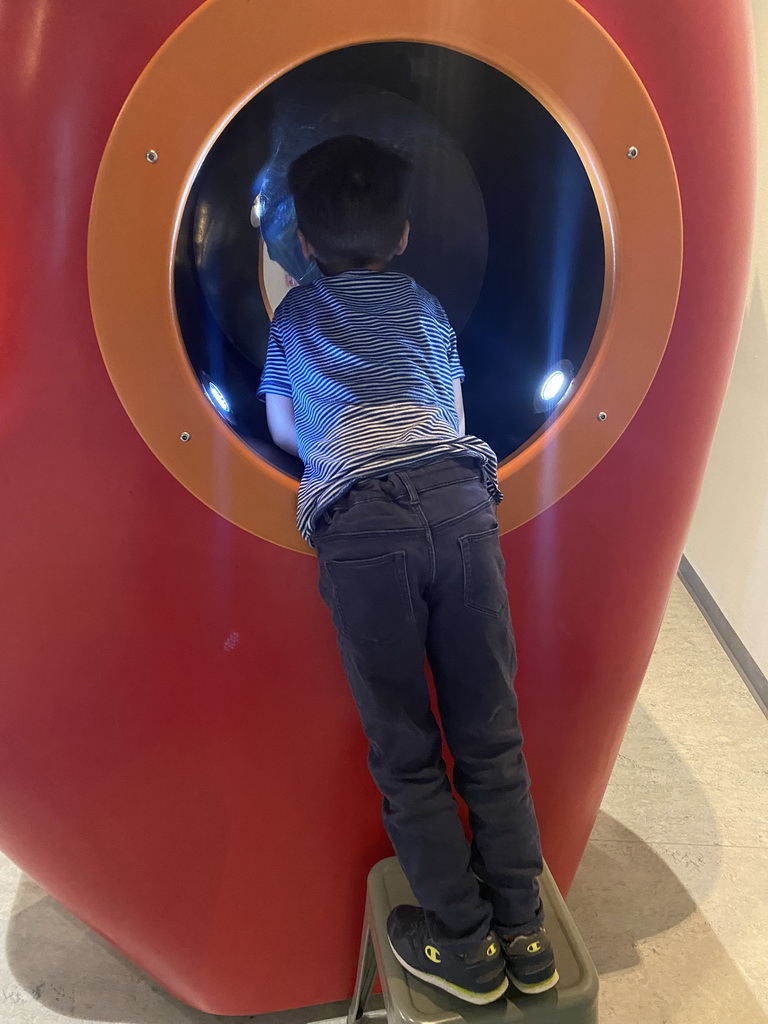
<point x="506" y="231"/>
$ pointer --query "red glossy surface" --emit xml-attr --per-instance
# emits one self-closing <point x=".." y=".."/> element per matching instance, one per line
<point x="180" y="762"/>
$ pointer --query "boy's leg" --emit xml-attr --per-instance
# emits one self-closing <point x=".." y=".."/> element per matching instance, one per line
<point x="472" y="654"/>
<point x="375" y="565"/>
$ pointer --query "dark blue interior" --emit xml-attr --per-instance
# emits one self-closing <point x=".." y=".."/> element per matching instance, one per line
<point x="505" y="226"/>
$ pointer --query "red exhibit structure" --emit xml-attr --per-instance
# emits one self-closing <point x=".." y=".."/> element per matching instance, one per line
<point x="180" y="761"/>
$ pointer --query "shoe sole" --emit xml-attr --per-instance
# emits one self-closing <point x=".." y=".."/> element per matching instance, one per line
<point x="538" y="988"/>
<point x="476" y="998"/>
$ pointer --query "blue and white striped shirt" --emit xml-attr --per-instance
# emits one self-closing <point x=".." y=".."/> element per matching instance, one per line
<point x="369" y="360"/>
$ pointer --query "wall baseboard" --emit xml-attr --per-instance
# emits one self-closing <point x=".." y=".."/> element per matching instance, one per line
<point x="746" y="665"/>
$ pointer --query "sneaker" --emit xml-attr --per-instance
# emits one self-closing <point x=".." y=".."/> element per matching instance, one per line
<point x="531" y="962"/>
<point x="477" y="976"/>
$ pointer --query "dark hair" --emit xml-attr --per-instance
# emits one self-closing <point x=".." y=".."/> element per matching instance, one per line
<point x="350" y="199"/>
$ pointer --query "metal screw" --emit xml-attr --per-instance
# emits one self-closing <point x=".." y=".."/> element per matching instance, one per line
<point x="602" y="416"/>
<point x="632" y="152"/>
<point x="185" y="436"/>
<point x="152" y="156"/>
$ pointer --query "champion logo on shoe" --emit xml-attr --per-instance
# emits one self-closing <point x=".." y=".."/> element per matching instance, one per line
<point x="531" y="962"/>
<point x="475" y="972"/>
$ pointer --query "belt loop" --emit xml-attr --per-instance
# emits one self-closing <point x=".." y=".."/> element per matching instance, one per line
<point x="399" y="487"/>
<point x="413" y="495"/>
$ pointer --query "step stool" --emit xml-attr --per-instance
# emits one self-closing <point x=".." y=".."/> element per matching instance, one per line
<point x="410" y="1001"/>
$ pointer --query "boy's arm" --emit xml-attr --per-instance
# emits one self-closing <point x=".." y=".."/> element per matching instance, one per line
<point x="454" y="364"/>
<point x="275" y="389"/>
<point x="458" y="399"/>
<point x="282" y="422"/>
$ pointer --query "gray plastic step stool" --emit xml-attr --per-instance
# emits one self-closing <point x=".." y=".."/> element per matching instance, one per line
<point x="410" y="1001"/>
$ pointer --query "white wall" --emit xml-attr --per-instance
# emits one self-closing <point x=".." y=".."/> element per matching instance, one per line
<point x="728" y="542"/>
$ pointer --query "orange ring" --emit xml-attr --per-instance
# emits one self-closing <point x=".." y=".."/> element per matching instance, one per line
<point x="229" y="50"/>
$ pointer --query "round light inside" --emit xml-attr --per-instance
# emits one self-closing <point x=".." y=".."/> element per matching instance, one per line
<point x="218" y="398"/>
<point x="554" y="386"/>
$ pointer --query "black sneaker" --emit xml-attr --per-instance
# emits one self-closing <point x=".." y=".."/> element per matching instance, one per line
<point x="477" y="976"/>
<point x="531" y="962"/>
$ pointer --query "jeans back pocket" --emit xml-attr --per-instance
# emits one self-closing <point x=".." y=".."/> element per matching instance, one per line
<point x="371" y="598"/>
<point x="485" y="588"/>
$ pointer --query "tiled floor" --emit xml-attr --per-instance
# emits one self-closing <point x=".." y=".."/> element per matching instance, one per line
<point x="672" y="895"/>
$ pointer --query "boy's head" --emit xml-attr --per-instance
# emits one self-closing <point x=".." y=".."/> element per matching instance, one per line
<point x="350" y="199"/>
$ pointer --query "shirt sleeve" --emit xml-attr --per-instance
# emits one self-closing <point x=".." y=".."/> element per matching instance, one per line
<point x="275" y="379"/>
<point x="454" y="363"/>
<point x="455" y="368"/>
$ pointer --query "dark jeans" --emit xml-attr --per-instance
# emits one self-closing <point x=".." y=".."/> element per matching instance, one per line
<point x="410" y="563"/>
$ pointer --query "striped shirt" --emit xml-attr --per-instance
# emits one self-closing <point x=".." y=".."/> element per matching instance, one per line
<point x="369" y="360"/>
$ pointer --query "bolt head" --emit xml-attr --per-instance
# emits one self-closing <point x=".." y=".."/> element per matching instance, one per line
<point x="632" y="152"/>
<point x="602" y="416"/>
<point x="185" y="436"/>
<point x="152" y="156"/>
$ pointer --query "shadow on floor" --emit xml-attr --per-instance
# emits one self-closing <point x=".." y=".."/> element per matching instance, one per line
<point x="624" y="893"/>
<point x="75" y="973"/>
<point x="659" y="959"/>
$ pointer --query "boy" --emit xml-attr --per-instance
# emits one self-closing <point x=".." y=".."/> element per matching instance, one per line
<point x="363" y="382"/>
